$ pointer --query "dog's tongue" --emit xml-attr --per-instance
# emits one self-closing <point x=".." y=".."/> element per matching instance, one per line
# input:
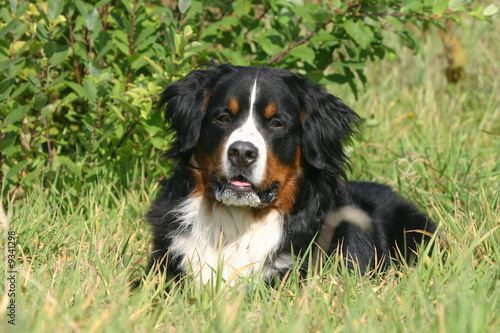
<point x="240" y="183"/>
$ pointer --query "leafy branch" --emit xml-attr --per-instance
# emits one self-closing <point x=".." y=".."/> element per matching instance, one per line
<point x="304" y="40"/>
<point x="78" y="79"/>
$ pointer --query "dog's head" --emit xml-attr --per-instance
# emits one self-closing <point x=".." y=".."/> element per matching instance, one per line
<point x="250" y="133"/>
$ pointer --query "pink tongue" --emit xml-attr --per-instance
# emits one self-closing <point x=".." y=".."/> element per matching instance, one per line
<point x="240" y="184"/>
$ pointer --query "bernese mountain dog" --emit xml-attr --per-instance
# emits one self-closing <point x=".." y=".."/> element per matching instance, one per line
<point x="259" y="176"/>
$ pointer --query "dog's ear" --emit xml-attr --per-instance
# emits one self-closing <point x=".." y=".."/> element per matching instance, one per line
<point x="327" y="125"/>
<point x="184" y="103"/>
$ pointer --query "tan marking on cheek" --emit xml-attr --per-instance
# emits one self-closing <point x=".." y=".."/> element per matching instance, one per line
<point x="270" y="110"/>
<point x="204" y="166"/>
<point x="233" y="105"/>
<point x="289" y="178"/>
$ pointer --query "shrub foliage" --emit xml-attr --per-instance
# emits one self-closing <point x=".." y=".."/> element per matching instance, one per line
<point x="78" y="79"/>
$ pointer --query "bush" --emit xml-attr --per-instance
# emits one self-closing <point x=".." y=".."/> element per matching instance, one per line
<point x="78" y="78"/>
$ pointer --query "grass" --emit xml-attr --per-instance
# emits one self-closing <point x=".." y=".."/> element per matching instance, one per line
<point x="436" y="143"/>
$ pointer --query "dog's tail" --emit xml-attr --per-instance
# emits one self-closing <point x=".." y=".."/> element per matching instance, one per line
<point x="346" y="214"/>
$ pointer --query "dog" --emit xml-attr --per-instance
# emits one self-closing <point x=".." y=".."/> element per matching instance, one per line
<point x="259" y="177"/>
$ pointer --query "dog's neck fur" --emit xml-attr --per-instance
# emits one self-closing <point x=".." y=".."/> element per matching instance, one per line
<point x="231" y="240"/>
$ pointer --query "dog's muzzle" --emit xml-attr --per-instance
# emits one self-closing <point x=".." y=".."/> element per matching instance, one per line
<point x="240" y="192"/>
<point x="238" y="184"/>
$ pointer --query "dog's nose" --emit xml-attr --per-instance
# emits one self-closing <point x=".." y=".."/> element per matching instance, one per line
<point x="242" y="153"/>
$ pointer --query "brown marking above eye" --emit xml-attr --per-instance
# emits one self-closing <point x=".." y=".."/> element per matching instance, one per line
<point x="270" y="110"/>
<point x="303" y="115"/>
<point x="208" y="94"/>
<point x="233" y="105"/>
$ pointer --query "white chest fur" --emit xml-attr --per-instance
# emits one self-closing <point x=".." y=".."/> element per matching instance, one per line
<point x="229" y="240"/>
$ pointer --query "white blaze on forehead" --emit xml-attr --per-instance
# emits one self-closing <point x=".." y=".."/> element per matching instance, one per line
<point x="253" y="94"/>
<point x="249" y="132"/>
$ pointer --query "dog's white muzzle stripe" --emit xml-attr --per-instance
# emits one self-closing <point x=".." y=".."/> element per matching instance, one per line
<point x="249" y="132"/>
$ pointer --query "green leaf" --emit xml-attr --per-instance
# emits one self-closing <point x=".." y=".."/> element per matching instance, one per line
<point x="34" y="81"/>
<point x="184" y="5"/>
<point x="16" y="169"/>
<point x="234" y="57"/>
<point x="351" y="64"/>
<point x="324" y="37"/>
<point x="271" y="42"/>
<point x="22" y="8"/>
<point x="40" y="100"/>
<point x="90" y="90"/>
<point x="180" y="43"/>
<point x="409" y="40"/>
<point x="456" y="5"/>
<point x="7" y="141"/>
<point x="10" y="26"/>
<point x="94" y="69"/>
<point x="146" y="43"/>
<point x="395" y="23"/>
<point x="6" y="87"/>
<point x="42" y="32"/>
<point x="304" y="52"/>
<point x="187" y="32"/>
<point x="440" y="6"/>
<point x="120" y="39"/>
<point x="411" y="5"/>
<point x="490" y="10"/>
<point x="15" y="115"/>
<point x="65" y="161"/>
<point x="54" y="8"/>
<point x="48" y="110"/>
<point x="82" y="8"/>
<point x="242" y="7"/>
<point x="349" y="75"/>
<point x="16" y="66"/>
<point x="19" y="90"/>
<point x="91" y="19"/>
<point x="77" y="88"/>
<point x="359" y="32"/>
<point x="49" y="48"/>
<point x="59" y="55"/>
<point x="321" y="16"/>
<point x="13" y="5"/>
<point x="154" y="64"/>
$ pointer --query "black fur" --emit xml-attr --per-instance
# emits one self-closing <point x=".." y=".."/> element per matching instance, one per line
<point x="398" y="227"/>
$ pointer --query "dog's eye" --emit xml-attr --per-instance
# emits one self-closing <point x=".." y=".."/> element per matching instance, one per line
<point x="275" y="123"/>
<point x="223" y="119"/>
